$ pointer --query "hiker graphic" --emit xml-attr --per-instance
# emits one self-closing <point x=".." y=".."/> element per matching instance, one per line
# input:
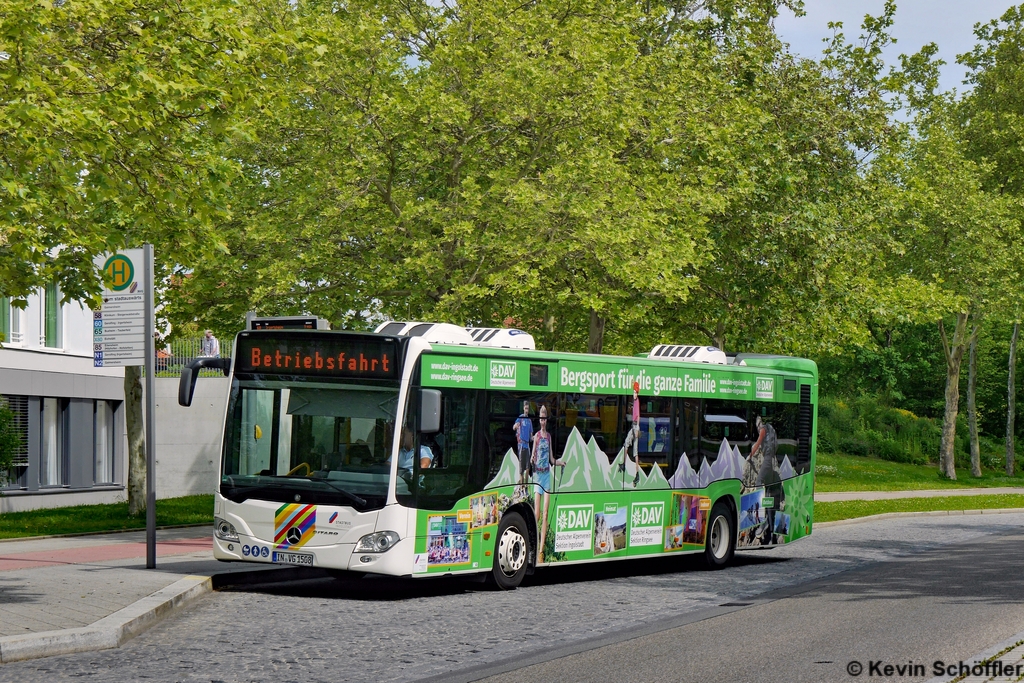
<point x="633" y="437"/>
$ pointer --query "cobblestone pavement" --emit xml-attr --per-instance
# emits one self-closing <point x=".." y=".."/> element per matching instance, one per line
<point x="390" y="630"/>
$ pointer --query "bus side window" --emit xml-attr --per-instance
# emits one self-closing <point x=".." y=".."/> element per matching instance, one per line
<point x="459" y="449"/>
<point x="597" y="417"/>
<point x="729" y="421"/>
<point x="688" y="429"/>
<point x="503" y="411"/>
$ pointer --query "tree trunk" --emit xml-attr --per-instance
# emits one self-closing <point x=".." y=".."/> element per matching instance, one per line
<point x="136" y="440"/>
<point x="596" y="341"/>
<point x="1011" y="400"/>
<point x="954" y="352"/>
<point x="972" y="407"/>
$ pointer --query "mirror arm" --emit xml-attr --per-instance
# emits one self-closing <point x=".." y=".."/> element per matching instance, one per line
<point x="190" y="373"/>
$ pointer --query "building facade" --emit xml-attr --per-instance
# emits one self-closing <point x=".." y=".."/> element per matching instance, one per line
<point x="70" y="414"/>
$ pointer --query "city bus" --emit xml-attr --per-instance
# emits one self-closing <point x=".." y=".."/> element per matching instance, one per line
<point x="426" y="449"/>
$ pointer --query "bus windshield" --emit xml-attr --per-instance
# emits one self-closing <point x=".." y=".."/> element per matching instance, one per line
<point x="309" y="441"/>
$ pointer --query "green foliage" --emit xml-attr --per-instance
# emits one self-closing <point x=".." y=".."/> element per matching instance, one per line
<point x="839" y="472"/>
<point x="992" y="111"/>
<point x="114" y="116"/>
<point x="865" y="426"/>
<point x="501" y="163"/>
<point x="904" y="366"/>
<point x="10" y="439"/>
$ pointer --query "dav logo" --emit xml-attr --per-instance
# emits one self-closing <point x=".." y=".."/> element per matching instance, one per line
<point x="648" y="514"/>
<point x="503" y="373"/>
<point x="576" y="517"/>
<point x="765" y="387"/>
<point x="574" y="527"/>
<point x="646" y="524"/>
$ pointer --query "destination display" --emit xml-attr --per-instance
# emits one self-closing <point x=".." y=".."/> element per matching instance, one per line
<point x="321" y="355"/>
<point x="605" y="378"/>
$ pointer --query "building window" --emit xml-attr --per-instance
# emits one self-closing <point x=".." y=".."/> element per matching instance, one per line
<point x="5" y="319"/>
<point x="51" y="461"/>
<point x="52" y="319"/>
<point x="15" y="325"/>
<point x="103" y="442"/>
<point x="18" y="405"/>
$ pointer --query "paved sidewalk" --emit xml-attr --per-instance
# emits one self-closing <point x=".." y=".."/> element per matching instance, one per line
<point x="837" y="496"/>
<point x="62" y="595"/>
<point x="59" y="583"/>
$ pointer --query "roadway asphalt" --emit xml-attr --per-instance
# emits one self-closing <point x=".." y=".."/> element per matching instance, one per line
<point x="886" y="589"/>
<point x="944" y="605"/>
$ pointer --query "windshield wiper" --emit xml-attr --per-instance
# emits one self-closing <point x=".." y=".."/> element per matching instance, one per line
<point x="248" y="489"/>
<point x="351" y="496"/>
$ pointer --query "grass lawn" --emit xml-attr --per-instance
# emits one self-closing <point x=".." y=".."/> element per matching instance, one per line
<point x="86" y="518"/>
<point x="830" y="512"/>
<point x="835" y="472"/>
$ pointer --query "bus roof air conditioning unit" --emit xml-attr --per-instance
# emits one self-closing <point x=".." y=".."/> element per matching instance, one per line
<point x="435" y="333"/>
<point x="689" y="354"/>
<point x="501" y="338"/>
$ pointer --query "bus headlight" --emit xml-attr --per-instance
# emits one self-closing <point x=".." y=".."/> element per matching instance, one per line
<point x="224" y="530"/>
<point x="379" y="542"/>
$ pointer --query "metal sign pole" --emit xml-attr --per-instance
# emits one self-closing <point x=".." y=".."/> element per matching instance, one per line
<point x="147" y="257"/>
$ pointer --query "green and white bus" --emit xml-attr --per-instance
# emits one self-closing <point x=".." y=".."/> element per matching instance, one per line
<point x="427" y="449"/>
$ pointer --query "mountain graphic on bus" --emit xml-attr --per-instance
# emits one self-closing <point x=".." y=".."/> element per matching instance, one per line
<point x="728" y="465"/>
<point x="587" y="469"/>
<point x="786" y="470"/>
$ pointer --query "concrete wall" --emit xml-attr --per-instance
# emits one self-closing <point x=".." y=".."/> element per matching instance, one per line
<point x="188" y="439"/>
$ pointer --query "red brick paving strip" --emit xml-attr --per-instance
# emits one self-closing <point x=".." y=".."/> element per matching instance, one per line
<point x="100" y="553"/>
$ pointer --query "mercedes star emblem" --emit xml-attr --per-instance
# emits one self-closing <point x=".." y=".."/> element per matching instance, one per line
<point x="294" y="535"/>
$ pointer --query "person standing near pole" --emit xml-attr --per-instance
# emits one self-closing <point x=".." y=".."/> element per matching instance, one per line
<point x="210" y="347"/>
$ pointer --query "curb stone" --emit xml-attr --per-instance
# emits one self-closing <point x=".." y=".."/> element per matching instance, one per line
<point x="931" y="513"/>
<point x="116" y="629"/>
<point x="110" y="631"/>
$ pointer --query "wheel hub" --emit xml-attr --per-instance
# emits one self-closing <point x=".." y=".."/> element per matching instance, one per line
<point x="719" y="537"/>
<point x="511" y="552"/>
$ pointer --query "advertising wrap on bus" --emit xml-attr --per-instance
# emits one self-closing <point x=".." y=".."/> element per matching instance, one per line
<point x="586" y="519"/>
<point x="589" y="377"/>
<point x="590" y="496"/>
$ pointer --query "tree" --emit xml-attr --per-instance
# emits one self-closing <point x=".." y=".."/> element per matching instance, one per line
<point x="1011" y="396"/>
<point x="953" y="237"/>
<point x="467" y="162"/>
<point x="994" y="129"/>
<point x="136" y="441"/>
<point x="113" y="116"/>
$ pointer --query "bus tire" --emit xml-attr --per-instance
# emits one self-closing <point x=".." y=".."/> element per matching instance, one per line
<point x="721" y="540"/>
<point x="511" y="552"/>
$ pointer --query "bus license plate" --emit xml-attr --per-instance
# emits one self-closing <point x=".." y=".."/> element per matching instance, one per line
<point x="294" y="558"/>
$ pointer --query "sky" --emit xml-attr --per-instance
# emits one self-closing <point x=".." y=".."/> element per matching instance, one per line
<point x="947" y="23"/>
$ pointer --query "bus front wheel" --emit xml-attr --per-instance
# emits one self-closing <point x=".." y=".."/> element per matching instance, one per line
<point x="511" y="551"/>
<point x="721" y="541"/>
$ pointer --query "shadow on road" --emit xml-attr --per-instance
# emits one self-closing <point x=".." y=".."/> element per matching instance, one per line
<point x="952" y="574"/>
<point x="350" y="586"/>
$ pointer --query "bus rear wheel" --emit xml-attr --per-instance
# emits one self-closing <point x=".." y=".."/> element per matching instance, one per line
<point x="721" y="541"/>
<point x="511" y="551"/>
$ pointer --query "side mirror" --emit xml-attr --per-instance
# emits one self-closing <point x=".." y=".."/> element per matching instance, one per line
<point x="430" y="410"/>
<point x="190" y="373"/>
